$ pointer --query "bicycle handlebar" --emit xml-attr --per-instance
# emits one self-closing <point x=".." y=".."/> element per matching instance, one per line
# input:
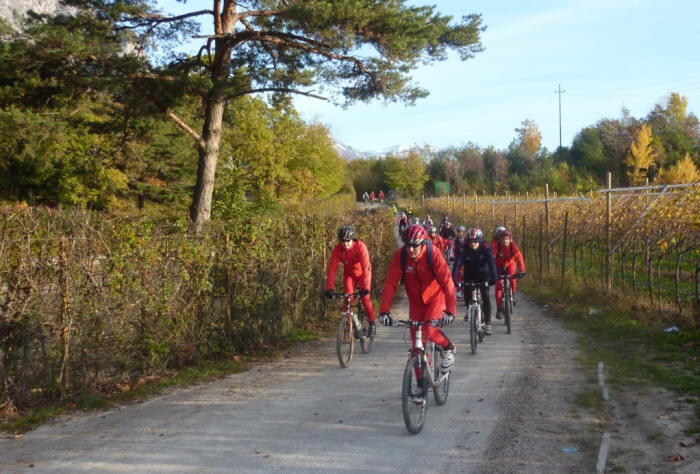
<point x="410" y="323"/>
<point x="346" y="295"/>
<point x="517" y="275"/>
<point x="462" y="284"/>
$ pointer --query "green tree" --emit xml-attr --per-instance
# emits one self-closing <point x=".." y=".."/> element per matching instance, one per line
<point x="588" y="153"/>
<point x="676" y="133"/>
<point x="357" y="49"/>
<point x="407" y="174"/>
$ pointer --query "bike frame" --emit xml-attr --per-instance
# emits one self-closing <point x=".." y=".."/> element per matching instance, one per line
<point x="425" y="355"/>
<point x="506" y="284"/>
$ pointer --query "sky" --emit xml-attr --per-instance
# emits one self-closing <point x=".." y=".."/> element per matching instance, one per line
<point x="605" y="54"/>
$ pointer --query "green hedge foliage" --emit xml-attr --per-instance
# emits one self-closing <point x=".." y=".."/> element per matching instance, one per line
<point x="87" y="299"/>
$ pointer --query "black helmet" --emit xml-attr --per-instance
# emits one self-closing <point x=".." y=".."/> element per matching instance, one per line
<point x="346" y="233"/>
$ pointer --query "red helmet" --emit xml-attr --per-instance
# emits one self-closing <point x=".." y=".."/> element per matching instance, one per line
<point x="414" y="234"/>
<point x="475" y="234"/>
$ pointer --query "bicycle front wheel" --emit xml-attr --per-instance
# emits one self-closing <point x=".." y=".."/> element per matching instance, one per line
<point x="345" y="342"/>
<point x="471" y="319"/>
<point x="508" y="307"/>
<point x="413" y="397"/>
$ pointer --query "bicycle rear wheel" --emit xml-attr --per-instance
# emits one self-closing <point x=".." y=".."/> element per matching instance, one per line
<point x="471" y="319"/>
<point x="413" y="397"/>
<point x="508" y="307"/>
<point x="345" y="342"/>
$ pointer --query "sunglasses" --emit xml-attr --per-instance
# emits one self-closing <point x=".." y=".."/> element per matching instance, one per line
<point x="413" y="246"/>
<point x="346" y="241"/>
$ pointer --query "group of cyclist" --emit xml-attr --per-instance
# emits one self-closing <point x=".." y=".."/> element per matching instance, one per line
<point x="371" y="197"/>
<point x="422" y="265"/>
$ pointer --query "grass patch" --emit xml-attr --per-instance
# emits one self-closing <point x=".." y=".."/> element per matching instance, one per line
<point x="91" y="401"/>
<point x="32" y="418"/>
<point x="590" y="399"/>
<point x="301" y="335"/>
<point x="630" y="342"/>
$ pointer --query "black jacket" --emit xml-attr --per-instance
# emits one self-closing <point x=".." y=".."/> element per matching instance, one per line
<point x="479" y="265"/>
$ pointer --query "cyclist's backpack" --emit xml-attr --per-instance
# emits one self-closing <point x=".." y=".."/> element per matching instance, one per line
<point x="429" y="256"/>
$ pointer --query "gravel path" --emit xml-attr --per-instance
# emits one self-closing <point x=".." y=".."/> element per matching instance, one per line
<point x="507" y="411"/>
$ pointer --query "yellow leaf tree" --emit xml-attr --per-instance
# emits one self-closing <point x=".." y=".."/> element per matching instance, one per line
<point x="530" y="139"/>
<point x="684" y="171"/>
<point x="640" y="156"/>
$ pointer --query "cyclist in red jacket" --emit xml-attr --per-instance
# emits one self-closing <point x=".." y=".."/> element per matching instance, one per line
<point x="507" y="256"/>
<point x="430" y="291"/>
<point x="438" y="242"/>
<point x="357" y="269"/>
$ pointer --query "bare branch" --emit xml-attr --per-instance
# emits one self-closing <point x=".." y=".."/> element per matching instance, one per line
<point x="178" y="121"/>
<point x="168" y="19"/>
<point x="278" y="89"/>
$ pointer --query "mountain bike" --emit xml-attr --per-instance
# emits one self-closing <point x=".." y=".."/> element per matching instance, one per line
<point x="475" y="314"/>
<point x="353" y="325"/>
<point x="422" y="360"/>
<point x="507" y="296"/>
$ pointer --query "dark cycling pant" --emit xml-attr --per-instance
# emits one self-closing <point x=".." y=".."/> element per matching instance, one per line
<point x="485" y="302"/>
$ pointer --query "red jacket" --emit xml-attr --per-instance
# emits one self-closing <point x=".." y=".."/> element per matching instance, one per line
<point x="438" y="242"/>
<point x="355" y="262"/>
<point x="422" y="285"/>
<point x="507" y="255"/>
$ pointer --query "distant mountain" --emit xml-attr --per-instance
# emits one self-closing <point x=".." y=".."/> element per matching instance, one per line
<point x="8" y="7"/>
<point x="350" y="153"/>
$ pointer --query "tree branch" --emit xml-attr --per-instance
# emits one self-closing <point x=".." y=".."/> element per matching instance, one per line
<point x="293" y="41"/>
<point x="277" y="89"/>
<point x="197" y="138"/>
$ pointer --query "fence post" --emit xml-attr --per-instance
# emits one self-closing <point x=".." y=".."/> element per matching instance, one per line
<point x="64" y="375"/>
<point x="523" y="239"/>
<point x="515" y="219"/>
<point x="476" y="208"/>
<point x="541" y="250"/>
<point x="493" y="213"/>
<point x="608" y="243"/>
<point x="546" y="217"/>
<point x="563" y="254"/>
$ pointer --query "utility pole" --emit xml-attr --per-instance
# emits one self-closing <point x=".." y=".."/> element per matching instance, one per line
<point x="560" y="92"/>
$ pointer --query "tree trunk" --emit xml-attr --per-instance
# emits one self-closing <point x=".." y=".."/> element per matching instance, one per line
<point x="200" y="212"/>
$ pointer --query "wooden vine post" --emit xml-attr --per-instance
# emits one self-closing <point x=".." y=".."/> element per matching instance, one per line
<point x="563" y="254"/>
<point x="546" y="223"/>
<point x="64" y="376"/>
<point x="608" y="243"/>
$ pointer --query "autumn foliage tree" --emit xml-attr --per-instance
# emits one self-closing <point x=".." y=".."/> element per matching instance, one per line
<point x="684" y="171"/>
<point x="641" y="156"/>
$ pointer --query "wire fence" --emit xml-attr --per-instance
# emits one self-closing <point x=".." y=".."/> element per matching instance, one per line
<point x="645" y="240"/>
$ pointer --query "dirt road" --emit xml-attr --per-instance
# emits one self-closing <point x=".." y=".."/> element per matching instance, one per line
<point x="506" y="412"/>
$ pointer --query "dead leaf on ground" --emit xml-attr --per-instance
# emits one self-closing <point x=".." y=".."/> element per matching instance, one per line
<point x="688" y="444"/>
<point x="675" y="458"/>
